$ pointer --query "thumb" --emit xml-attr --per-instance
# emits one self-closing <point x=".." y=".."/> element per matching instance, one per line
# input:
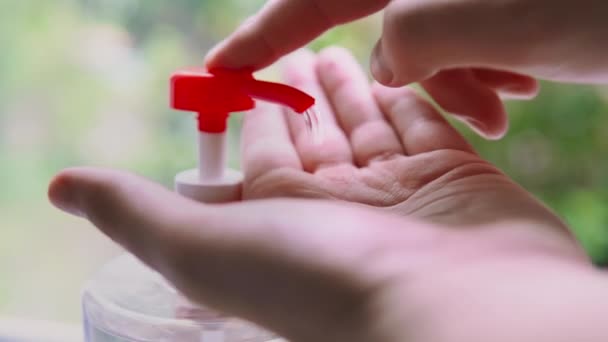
<point x="550" y="40"/>
<point x="422" y="37"/>
<point x="273" y="263"/>
<point x="457" y="50"/>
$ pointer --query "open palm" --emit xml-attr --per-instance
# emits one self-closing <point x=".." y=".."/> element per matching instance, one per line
<point x="382" y="147"/>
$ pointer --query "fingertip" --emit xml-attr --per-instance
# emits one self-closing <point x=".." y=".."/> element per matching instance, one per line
<point x="379" y="67"/>
<point x="87" y="191"/>
<point x="460" y="93"/>
<point x="488" y="126"/>
<point x="246" y="47"/>
<point x="493" y="116"/>
<point x="384" y="92"/>
<point x="489" y="119"/>
<point x="328" y="57"/>
<point x="396" y="79"/>
<point x="68" y="187"/>
<point x="509" y="85"/>
<point x="388" y="72"/>
<point x="228" y="54"/>
<point x="337" y="68"/>
<point x="72" y="189"/>
<point x="526" y="90"/>
<point x="61" y="192"/>
<point x="332" y="59"/>
<point x="213" y="58"/>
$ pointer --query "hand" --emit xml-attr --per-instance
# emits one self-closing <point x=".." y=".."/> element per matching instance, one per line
<point x="465" y="52"/>
<point x="326" y="272"/>
<point x="317" y="270"/>
<point x="383" y="147"/>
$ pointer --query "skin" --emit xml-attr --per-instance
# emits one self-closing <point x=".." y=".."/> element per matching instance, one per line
<point x="466" y="53"/>
<point x="350" y="241"/>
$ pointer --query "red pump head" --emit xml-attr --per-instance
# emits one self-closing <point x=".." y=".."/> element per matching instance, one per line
<point x="217" y="94"/>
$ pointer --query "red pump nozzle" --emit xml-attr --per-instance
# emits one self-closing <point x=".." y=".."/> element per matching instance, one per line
<point x="217" y="94"/>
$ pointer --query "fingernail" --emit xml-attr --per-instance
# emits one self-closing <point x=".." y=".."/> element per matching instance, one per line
<point x="382" y="73"/>
<point x="62" y="195"/>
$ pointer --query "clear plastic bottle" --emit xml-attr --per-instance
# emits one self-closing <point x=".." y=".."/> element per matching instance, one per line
<point x="127" y="301"/>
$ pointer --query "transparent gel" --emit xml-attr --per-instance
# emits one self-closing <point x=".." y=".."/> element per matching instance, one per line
<point x="314" y="125"/>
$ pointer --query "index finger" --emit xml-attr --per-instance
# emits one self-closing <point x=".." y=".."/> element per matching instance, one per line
<point x="283" y="26"/>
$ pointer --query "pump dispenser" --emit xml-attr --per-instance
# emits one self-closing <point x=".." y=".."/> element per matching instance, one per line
<point x="127" y="301"/>
<point x="213" y="96"/>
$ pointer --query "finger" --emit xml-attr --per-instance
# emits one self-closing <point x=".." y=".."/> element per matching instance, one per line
<point x="333" y="148"/>
<point x="509" y="85"/>
<point x="460" y="93"/>
<point x="349" y="92"/>
<point x="283" y="26"/>
<point x="265" y="142"/>
<point x="132" y="212"/>
<point x="421" y="128"/>
<point x="257" y="260"/>
<point x="422" y="37"/>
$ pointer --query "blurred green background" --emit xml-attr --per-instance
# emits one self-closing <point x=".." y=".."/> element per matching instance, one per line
<point x="84" y="82"/>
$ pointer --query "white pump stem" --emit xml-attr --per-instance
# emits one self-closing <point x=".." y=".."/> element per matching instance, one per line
<point x="212" y="181"/>
<point x="212" y="150"/>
